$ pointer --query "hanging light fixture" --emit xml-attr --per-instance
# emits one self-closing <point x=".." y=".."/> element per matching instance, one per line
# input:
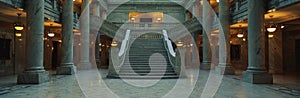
<point x="50" y="33"/>
<point x="114" y="44"/>
<point x="179" y="44"/>
<point x="18" y="26"/>
<point x="271" y="35"/>
<point x="18" y="34"/>
<point x="272" y="27"/>
<point x="240" y="33"/>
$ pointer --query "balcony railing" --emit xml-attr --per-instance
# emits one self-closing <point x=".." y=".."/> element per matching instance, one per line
<point x="14" y="3"/>
<point x="146" y="25"/>
<point x="239" y="8"/>
<point x="53" y="9"/>
<point x="280" y="3"/>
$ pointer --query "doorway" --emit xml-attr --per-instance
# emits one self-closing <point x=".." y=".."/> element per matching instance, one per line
<point x="55" y="61"/>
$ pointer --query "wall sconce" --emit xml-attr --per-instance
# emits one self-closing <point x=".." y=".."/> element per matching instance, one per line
<point x="158" y="19"/>
<point x="244" y="39"/>
<point x="18" y="26"/>
<point x="132" y="18"/>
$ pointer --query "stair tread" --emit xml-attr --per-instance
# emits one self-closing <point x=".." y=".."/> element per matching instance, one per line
<point x="137" y="60"/>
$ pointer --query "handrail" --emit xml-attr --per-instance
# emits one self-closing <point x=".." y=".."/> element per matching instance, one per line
<point x="124" y="43"/>
<point x="117" y="61"/>
<point x="169" y="44"/>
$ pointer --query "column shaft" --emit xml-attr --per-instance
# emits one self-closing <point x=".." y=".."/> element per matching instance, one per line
<point x="85" y="36"/>
<point x="206" y="49"/>
<point x="97" y="48"/>
<point x="224" y="66"/>
<point x="67" y="64"/>
<point x="34" y="72"/>
<point x="256" y="72"/>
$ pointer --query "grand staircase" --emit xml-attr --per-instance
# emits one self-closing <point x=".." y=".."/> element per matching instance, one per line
<point x="147" y="58"/>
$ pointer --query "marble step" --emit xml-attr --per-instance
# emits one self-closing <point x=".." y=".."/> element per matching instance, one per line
<point x="148" y="77"/>
<point x="147" y="71"/>
<point x="147" y="68"/>
<point x="146" y="74"/>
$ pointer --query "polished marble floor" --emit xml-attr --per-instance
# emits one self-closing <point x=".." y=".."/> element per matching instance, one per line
<point x="205" y="84"/>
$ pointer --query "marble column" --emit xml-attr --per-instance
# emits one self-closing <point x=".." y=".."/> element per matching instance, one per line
<point x="224" y="66"/>
<point x="197" y="9"/>
<point x="97" y="48"/>
<point x="256" y="71"/>
<point x="85" y="36"/>
<point x="34" y="72"/>
<point x="67" y="64"/>
<point x="96" y="12"/>
<point x="206" y="49"/>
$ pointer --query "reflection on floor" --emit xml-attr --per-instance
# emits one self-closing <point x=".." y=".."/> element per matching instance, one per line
<point x="88" y="84"/>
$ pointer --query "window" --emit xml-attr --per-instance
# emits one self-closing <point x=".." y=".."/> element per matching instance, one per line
<point x="4" y="49"/>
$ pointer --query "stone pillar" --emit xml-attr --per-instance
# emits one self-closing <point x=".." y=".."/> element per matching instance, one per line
<point x="34" y="72"/>
<point x="256" y="72"/>
<point x="85" y="36"/>
<point x="97" y="48"/>
<point x="224" y="66"/>
<point x="96" y="34"/>
<point x="206" y="61"/>
<point x="67" y="64"/>
<point x="197" y="9"/>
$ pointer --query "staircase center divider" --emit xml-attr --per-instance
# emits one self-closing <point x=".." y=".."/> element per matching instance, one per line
<point x="169" y="48"/>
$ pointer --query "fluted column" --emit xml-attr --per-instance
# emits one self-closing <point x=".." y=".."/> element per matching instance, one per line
<point x="67" y="64"/>
<point x="34" y="72"/>
<point x="256" y="72"/>
<point x="224" y="66"/>
<point x="85" y="36"/>
<point x="206" y="51"/>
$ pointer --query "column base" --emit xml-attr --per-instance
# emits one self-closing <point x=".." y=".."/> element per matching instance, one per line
<point x="225" y="69"/>
<point x="205" y="65"/>
<point x="33" y="77"/>
<point x="257" y="77"/>
<point x="84" y="66"/>
<point x="66" y="69"/>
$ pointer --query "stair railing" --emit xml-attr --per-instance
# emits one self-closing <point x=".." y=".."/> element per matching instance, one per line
<point x="169" y="48"/>
<point x="115" y="65"/>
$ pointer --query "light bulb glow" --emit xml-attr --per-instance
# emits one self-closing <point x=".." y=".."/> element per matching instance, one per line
<point x="271" y="29"/>
<point x="51" y="34"/>
<point x="18" y="34"/>
<point x="240" y="35"/>
<point x="271" y="35"/>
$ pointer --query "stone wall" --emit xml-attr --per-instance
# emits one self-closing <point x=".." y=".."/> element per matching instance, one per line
<point x="9" y="67"/>
<point x="289" y="51"/>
